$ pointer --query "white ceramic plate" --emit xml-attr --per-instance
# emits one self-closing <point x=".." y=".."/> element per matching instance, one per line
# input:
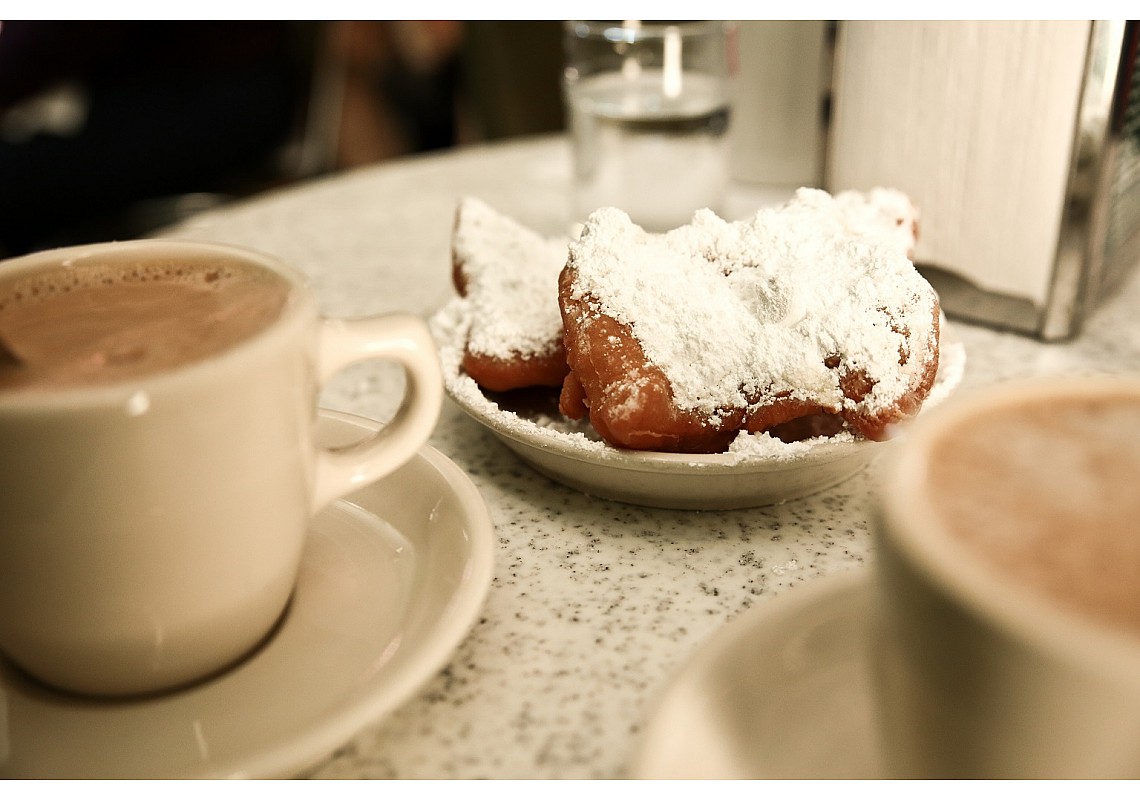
<point x="393" y="577"/>
<point x="572" y="454"/>
<point x="781" y="692"/>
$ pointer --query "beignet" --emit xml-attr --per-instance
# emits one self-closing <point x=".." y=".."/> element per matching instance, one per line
<point x="678" y="341"/>
<point x="509" y="274"/>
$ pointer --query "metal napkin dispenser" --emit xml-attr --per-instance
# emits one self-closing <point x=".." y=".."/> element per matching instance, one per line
<point x="1020" y="143"/>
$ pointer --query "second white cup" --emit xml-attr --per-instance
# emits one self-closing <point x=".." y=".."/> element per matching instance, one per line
<point x="1008" y="638"/>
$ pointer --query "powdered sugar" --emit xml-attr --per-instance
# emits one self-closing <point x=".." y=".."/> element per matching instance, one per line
<point x="885" y="213"/>
<point x="512" y="282"/>
<point x="737" y="311"/>
<point x="764" y="446"/>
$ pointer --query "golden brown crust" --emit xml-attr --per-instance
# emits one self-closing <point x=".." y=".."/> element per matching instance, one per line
<point x="504" y="375"/>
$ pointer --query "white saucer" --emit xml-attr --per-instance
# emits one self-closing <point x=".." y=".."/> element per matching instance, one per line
<point x="393" y="578"/>
<point x="571" y="452"/>
<point x="782" y="692"/>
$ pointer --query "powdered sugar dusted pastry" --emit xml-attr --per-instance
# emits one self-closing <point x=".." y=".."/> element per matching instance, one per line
<point x="509" y="276"/>
<point x="885" y="213"/>
<point x="677" y="341"/>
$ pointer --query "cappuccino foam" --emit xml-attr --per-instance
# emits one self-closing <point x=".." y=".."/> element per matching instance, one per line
<point x="1047" y="495"/>
<point x="95" y="322"/>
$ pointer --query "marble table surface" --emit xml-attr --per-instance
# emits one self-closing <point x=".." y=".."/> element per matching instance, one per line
<point x="594" y="605"/>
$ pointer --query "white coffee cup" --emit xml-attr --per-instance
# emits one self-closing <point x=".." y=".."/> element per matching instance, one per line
<point x="1007" y="642"/>
<point x="152" y="524"/>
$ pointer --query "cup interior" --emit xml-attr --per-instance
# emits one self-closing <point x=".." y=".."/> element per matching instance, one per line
<point x="142" y="280"/>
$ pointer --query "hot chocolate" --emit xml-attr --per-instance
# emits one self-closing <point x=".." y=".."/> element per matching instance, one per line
<point x="100" y="321"/>
<point x="1047" y="494"/>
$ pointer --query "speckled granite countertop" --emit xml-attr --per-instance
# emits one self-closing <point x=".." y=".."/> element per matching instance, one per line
<point x="594" y="605"/>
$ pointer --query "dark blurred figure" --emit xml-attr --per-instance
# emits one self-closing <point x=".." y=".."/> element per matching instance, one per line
<point x="418" y="85"/>
<point x="512" y="71"/>
<point x="401" y="88"/>
<point x="96" y="118"/>
<point x="109" y="130"/>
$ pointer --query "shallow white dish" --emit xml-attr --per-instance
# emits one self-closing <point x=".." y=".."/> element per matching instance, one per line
<point x="393" y="577"/>
<point x="781" y="692"/>
<point x="571" y="453"/>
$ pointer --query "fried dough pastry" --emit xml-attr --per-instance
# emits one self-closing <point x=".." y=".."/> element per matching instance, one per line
<point x="798" y="318"/>
<point x="509" y="275"/>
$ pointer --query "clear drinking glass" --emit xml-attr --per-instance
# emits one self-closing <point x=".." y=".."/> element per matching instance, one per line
<point x="648" y="105"/>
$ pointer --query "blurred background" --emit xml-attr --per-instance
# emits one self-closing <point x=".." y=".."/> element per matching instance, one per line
<point x="111" y="129"/>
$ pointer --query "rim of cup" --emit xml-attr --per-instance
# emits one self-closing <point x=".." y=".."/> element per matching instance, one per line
<point x="913" y="527"/>
<point x="294" y="313"/>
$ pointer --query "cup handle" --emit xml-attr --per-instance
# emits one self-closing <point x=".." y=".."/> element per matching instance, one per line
<point x="402" y="338"/>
